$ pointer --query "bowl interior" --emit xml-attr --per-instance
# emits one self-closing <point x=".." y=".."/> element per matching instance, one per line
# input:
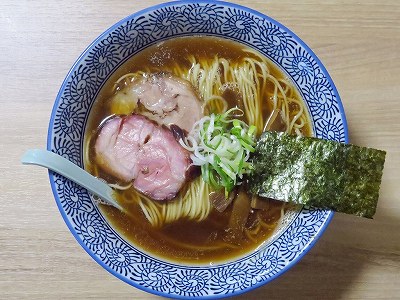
<point x="299" y="230"/>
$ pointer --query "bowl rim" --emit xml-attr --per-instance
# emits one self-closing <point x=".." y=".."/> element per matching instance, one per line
<point x="100" y="38"/>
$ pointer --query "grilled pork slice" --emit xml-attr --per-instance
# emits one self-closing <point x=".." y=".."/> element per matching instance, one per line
<point x="133" y="148"/>
<point x="164" y="98"/>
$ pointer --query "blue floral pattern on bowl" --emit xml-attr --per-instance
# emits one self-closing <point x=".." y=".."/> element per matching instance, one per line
<point x="86" y="78"/>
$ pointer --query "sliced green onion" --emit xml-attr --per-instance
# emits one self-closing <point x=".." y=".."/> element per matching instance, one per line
<point x="221" y="145"/>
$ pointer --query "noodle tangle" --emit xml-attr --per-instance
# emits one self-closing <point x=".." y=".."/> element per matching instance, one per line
<point x="260" y="95"/>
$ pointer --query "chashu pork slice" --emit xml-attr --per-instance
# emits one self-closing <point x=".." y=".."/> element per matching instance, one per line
<point x="133" y="148"/>
<point x="167" y="99"/>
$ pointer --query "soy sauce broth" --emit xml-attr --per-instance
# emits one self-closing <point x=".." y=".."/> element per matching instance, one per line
<point x="183" y="241"/>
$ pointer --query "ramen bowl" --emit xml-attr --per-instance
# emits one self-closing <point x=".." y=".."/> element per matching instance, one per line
<point x="297" y="232"/>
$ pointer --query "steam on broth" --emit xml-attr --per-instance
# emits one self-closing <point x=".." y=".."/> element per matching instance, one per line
<point x="224" y="75"/>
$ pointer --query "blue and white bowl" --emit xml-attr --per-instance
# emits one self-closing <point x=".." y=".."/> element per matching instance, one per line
<point x="293" y="238"/>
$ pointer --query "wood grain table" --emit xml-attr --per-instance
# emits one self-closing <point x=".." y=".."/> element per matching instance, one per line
<point x="358" y="42"/>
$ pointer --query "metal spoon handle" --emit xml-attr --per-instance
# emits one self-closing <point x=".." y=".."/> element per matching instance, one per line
<point x="66" y="168"/>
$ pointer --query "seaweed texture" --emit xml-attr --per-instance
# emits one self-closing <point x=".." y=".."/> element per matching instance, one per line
<point x="315" y="172"/>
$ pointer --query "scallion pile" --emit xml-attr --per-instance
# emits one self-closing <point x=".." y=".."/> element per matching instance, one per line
<point x="221" y="146"/>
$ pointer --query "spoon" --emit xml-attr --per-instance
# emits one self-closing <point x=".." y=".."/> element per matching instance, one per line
<point x="66" y="168"/>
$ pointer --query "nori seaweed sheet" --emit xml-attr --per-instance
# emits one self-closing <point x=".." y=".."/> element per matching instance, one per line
<point x="316" y="172"/>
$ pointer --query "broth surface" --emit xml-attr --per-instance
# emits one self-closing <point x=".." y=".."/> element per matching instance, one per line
<point x="183" y="241"/>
